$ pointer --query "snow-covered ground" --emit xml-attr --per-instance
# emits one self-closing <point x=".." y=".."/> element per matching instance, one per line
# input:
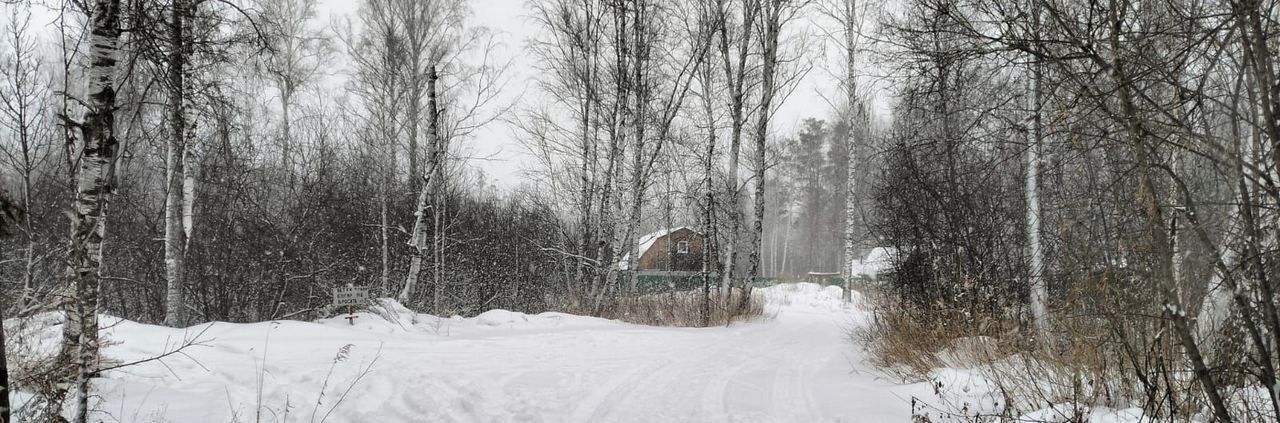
<point x="397" y="366"/>
<point x="394" y="365"/>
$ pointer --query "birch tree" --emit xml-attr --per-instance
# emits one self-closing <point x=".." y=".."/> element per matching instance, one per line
<point x="427" y="197"/>
<point x="97" y="151"/>
<point x="773" y="15"/>
<point x="850" y="16"/>
<point x="706" y="28"/>
<point x="293" y="60"/>
<point x="735" y="46"/>
<point x="463" y="82"/>
<point x="572" y="56"/>
<point x="1039" y="294"/>
<point x="176" y="158"/>
<point x="657" y="58"/>
<point x="431" y="30"/>
<point x="378" y="52"/>
<point x="1158" y="105"/>
<point x="22" y="99"/>
<point x="430" y="27"/>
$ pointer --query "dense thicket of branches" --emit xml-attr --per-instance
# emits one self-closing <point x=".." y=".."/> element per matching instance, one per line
<point x="642" y="92"/>
<point x="275" y="201"/>
<point x="245" y="186"/>
<point x="1158" y="147"/>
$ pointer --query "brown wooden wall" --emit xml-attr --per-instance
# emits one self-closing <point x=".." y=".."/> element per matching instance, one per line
<point x="664" y="255"/>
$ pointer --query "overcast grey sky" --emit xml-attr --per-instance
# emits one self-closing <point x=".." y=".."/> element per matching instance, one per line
<point x="495" y="149"/>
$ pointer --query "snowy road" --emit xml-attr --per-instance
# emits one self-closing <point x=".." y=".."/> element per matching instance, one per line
<point x="501" y="366"/>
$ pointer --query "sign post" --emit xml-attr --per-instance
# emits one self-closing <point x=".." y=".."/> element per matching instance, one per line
<point x="350" y="296"/>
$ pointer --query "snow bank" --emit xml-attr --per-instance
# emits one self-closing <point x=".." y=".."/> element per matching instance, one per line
<point x="877" y="261"/>
<point x="388" y="316"/>
<point x="804" y="295"/>
<point x="501" y="318"/>
<point x="965" y="388"/>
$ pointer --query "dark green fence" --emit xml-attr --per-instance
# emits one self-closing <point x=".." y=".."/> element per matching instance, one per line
<point x="653" y="282"/>
<point x="649" y="282"/>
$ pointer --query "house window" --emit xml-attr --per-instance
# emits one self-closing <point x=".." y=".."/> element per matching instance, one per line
<point x="682" y="247"/>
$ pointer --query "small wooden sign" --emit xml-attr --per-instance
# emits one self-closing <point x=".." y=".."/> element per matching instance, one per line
<point x="350" y="296"/>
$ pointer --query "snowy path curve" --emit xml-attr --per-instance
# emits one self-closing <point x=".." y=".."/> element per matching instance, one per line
<point x="797" y="367"/>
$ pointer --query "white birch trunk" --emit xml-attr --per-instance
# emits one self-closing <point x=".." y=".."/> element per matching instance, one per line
<point x="786" y="243"/>
<point x="856" y="128"/>
<point x="1038" y="292"/>
<point x="98" y="147"/>
<point x="384" y="235"/>
<point x="772" y="24"/>
<point x="427" y="197"/>
<point x="435" y="184"/>
<point x="189" y="171"/>
<point x="416" y="241"/>
<point x="174" y="229"/>
<point x="736" y="78"/>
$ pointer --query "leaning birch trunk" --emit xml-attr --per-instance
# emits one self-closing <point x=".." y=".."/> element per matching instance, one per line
<point x="416" y="242"/>
<point x="92" y="195"/>
<point x="174" y="229"/>
<point x="417" y="239"/>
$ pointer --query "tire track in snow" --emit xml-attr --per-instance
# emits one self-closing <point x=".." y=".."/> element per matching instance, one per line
<point x="717" y="399"/>
<point x="599" y="402"/>
<point x="792" y="398"/>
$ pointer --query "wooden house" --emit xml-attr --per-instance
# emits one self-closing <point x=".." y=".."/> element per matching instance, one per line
<point x="670" y="250"/>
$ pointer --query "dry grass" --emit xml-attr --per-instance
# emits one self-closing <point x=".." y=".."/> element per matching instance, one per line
<point x="910" y="343"/>
<point x="1088" y="361"/>
<point x="683" y="309"/>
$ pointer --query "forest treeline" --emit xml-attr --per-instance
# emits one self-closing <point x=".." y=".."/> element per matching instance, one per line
<point x="245" y="185"/>
<point x="229" y="205"/>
